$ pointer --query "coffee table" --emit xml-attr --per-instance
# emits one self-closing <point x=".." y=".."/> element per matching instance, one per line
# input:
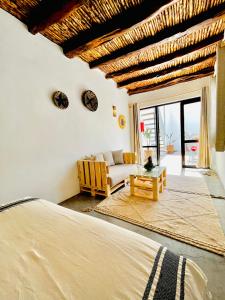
<point x="152" y="181"/>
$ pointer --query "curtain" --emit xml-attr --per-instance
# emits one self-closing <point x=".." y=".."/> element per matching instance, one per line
<point x="136" y="132"/>
<point x="220" y="95"/>
<point x="204" y="159"/>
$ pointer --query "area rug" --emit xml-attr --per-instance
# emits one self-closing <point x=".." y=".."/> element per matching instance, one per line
<point x="184" y="216"/>
<point x="188" y="184"/>
<point x="194" y="185"/>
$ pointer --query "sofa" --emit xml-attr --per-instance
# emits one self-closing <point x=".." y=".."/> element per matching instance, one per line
<point x="103" y="173"/>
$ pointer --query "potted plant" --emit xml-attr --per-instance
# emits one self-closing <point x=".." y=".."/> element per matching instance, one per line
<point x="170" y="143"/>
<point x="147" y="134"/>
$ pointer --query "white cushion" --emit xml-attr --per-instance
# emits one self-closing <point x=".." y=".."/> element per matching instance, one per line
<point x="109" y="158"/>
<point x="118" y="157"/>
<point x="99" y="157"/>
<point x="119" y="173"/>
<point x="91" y="157"/>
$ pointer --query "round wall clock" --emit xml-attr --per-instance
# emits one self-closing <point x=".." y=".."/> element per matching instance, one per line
<point x="122" y="121"/>
<point x="60" y="100"/>
<point x="90" y="100"/>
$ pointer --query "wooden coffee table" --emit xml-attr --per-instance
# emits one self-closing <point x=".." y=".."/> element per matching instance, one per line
<point x="152" y="181"/>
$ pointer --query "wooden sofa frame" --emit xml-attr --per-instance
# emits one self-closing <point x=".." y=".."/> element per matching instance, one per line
<point x="93" y="175"/>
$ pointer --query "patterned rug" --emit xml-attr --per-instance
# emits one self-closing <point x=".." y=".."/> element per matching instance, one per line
<point x="187" y="184"/>
<point x="185" y="212"/>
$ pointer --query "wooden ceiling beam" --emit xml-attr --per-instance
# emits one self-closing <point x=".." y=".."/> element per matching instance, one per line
<point x="174" y="82"/>
<point x="102" y="33"/>
<point x="162" y="35"/>
<point x="169" y="82"/>
<point x="166" y="71"/>
<point x="49" y="12"/>
<point x="166" y="58"/>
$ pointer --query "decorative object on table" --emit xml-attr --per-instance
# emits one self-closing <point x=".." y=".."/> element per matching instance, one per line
<point x="60" y="100"/>
<point x="90" y="100"/>
<point x="149" y="165"/>
<point x="114" y="111"/>
<point x="148" y="151"/>
<point x="122" y="121"/>
<point x="170" y="143"/>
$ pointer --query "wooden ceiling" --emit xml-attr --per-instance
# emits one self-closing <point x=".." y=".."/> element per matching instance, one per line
<point x="142" y="45"/>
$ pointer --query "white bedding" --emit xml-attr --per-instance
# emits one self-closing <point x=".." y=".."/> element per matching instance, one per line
<point x="49" y="252"/>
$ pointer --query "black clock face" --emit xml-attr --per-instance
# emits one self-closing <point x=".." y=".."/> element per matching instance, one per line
<point x="90" y="100"/>
<point x="60" y="100"/>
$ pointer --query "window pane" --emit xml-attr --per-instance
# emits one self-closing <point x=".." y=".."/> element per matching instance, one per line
<point x="149" y="135"/>
<point x="169" y="128"/>
<point x="192" y="120"/>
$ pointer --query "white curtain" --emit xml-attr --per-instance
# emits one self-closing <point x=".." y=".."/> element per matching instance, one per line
<point x="136" y="132"/>
<point x="220" y="95"/>
<point x="204" y="159"/>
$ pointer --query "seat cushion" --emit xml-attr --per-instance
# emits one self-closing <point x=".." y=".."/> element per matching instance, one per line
<point x="119" y="173"/>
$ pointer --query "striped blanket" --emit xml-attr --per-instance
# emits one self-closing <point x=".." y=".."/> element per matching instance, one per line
<point x="168" y="275"/>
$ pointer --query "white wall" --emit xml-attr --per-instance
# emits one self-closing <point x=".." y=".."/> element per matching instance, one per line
<point x="40" y="143"/>
<point x="173" y="93"/>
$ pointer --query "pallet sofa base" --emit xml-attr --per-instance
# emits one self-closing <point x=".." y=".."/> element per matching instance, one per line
<point x="94" y="176"/>
<point x="105" y="193"/>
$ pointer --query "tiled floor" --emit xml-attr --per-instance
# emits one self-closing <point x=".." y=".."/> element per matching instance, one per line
<point x="213" y="265"/>
<point x="172" y="162"/>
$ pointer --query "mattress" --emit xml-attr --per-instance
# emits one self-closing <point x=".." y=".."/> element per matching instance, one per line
<point x="50" y="252"/>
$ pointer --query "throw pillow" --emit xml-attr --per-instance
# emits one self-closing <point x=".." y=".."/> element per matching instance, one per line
<point x="91" y="157"/>
<point x="99" y="157"/>
<point x="118" y="157"/>
<point x="109" y="158"/>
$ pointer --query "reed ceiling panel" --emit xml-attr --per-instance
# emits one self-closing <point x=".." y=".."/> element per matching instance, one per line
<point x="91" y="12"/>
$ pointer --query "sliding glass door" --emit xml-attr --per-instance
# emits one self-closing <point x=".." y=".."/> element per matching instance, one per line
<point x="190" y="131"/>
<point x="170" y="133"/>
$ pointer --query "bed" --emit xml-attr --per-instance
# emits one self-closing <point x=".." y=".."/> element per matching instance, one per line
<point x="50" y="252"/>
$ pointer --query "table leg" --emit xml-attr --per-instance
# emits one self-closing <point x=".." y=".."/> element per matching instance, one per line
<point x="155" y="188"/>
<point x="164" y="177"/>
<point x="131" y="185"/>
<point x="161" y="182"/>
